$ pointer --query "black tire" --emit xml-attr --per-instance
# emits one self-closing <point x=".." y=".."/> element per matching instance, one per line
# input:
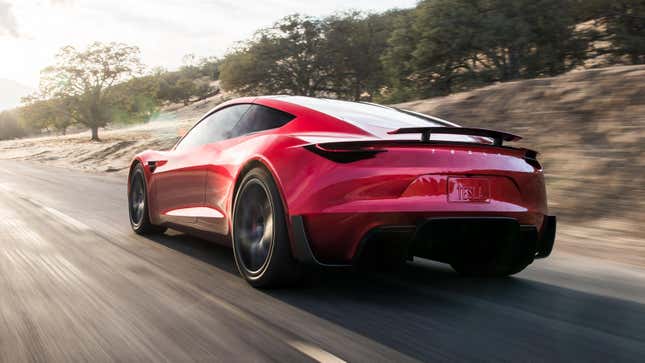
<point x="260" y="238"/>
<point x="138" y="204"/>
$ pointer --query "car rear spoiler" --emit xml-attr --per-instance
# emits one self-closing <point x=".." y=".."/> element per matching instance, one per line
<point x="498" y="136"/>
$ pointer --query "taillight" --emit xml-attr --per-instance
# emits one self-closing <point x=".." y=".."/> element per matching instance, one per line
<point x="344" y="153"/>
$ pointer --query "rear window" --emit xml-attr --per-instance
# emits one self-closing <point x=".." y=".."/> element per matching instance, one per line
<point x="260" y="118"/>
<point x="379" y="120"/>
<point x="369" y="117"/>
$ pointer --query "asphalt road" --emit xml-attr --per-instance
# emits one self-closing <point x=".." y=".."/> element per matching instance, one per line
<point x="77" y="285"/>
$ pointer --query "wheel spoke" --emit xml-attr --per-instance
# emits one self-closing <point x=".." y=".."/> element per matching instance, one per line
<point x="137" y="199"/>
<point x="253" y="226"/>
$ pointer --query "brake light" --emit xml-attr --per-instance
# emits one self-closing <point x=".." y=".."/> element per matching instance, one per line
<point x="344" y="153"/>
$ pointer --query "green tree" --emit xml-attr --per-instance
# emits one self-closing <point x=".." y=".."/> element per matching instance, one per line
<point x="189" y="82"/>
<point x="175" y="88"/>
<point x="287" y="58"/>
<point x="528" y="38"/>
<point x="39" y="113"/>
<point x="209" y="67"/>
<point x="135" y="100"/>
<point x="10" y="126"/>
<point x="85" y="79"/>
<point x="625" y="21"/>
<point x="451" y="45"/>
<point x="397" y="60"/>
<point x="203" y="89"/>
<point x="355" y="43"/>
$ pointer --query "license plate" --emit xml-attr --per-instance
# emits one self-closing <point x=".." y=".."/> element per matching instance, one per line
<point x="469" y="190"/>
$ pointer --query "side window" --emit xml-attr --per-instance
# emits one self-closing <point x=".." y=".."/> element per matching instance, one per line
<point x="216" y="127"/>
<point x="261" y="118"/>
<point x="221" y="125"/>
<point x="194" y="137"/>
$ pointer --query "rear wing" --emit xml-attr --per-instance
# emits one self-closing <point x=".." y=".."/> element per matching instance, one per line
<point x="498" y="136"/>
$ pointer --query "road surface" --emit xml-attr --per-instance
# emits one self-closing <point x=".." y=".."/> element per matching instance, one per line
<point x="77" y="285"/>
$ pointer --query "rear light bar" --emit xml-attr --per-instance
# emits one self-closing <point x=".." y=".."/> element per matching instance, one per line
<point x="344" y="153"/>
<point x="347" y="152"/>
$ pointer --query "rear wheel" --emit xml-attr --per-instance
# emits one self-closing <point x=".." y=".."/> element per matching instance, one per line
<point x="138" y="204"/>
<point x="260" y="239"/>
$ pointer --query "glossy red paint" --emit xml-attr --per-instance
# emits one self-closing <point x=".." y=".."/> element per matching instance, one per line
<point x="340" y="202"/>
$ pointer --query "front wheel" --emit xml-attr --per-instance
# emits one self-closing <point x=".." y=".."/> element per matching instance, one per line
<point x="260" y="239"/>
<point x="138" y="204"/>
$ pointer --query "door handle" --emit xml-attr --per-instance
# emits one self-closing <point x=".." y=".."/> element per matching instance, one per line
<point x="153" y="164"/>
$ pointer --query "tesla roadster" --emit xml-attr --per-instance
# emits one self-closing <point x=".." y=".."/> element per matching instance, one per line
<point x="291" y="182"/>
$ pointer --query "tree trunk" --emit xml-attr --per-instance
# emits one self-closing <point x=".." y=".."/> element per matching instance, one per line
<point x="95" y="133"/>
<point x="357" y="92"/>
<point x="635" y="57"/>
<point x="514" y="63"/>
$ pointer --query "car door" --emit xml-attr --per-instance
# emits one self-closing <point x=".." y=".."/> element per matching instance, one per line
<point x="178" y="181"/>
<point x="221" y="174"/>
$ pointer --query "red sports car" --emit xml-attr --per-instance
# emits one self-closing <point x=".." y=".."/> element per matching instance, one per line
<point x="293" y="181"/>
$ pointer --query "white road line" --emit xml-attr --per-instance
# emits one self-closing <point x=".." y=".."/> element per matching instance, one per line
<point x="70" y="221"/>
<point x="305" y="348"/>
<point x="60" y="216"/>
<point x="314" y="352"/>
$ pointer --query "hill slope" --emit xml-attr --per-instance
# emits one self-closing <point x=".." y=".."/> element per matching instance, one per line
<point x="589" y="127"/>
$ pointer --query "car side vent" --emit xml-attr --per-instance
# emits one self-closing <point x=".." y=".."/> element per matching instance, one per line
<point x="530" y="156"/>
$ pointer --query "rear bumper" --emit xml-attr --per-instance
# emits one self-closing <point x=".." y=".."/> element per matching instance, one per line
<point x="437" y="238"/>
<point x="547" y="237"/>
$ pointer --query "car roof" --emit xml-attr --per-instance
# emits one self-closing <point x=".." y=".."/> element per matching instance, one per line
<point x="377" y="120"/>
<point x="362" y="114"/>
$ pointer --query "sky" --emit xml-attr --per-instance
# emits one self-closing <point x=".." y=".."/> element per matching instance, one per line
<point x="32" y="31"/>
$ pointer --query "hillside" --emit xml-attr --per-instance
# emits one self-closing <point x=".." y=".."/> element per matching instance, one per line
<point x="589" y="127"/>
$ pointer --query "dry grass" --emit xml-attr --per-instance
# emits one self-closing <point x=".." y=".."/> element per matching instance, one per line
<point x="589" y="127"/>
<point x="117" y="146"/>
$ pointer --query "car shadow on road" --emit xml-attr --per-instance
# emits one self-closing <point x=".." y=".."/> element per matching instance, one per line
<point x="209" y="252"/>
<point x="428" y="312"/>
<point x="426" y="306"/>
